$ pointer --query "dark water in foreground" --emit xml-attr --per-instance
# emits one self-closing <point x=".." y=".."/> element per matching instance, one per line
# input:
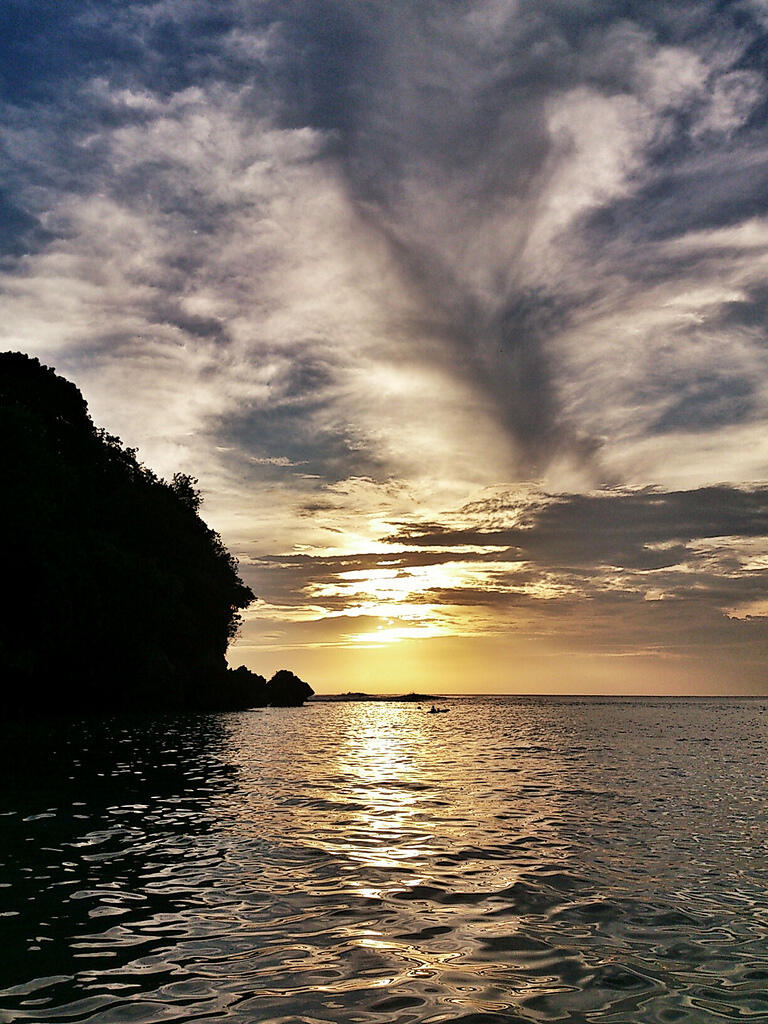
<point x="536" y="860"/>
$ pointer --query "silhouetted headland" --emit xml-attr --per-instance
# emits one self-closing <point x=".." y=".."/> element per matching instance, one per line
<point x="118" y="596"/>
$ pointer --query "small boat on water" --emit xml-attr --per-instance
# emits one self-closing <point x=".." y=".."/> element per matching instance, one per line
<point x="438" y="711"/>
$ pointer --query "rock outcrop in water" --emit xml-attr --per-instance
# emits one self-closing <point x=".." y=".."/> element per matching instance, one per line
<point x="285" y="689"/>
<point x="249" y="690"/>
<point x="118" y="595"/>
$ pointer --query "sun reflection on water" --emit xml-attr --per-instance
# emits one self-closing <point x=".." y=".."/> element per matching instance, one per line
<point x="376" y="841"/>
<point x="382" y="763"/>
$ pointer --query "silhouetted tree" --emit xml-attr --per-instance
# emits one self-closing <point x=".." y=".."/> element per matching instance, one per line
<point x="117" y="594"/>
<point x="245" y="689"/>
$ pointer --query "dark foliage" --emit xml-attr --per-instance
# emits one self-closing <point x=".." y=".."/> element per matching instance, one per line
<point x="117" y="594"/>
<point x="245" y="689"/>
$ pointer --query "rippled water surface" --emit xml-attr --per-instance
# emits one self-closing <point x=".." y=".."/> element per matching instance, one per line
<point x="515" y="859"/>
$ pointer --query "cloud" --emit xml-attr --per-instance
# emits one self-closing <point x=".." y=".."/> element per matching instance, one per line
<point x="678" y="575"/>
<point x="600" y="526"/>
<point x="266" y="166"/>
<point x="355" y="264"/>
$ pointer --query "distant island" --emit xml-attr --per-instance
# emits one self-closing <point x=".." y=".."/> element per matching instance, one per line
<point x="400" y="698"/>
<point x="118" y="596"/>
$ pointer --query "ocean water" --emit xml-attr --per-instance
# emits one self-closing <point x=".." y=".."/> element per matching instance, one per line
<point x="515" y="859"/>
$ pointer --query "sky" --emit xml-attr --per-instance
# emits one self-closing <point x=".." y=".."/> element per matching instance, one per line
<point x="456" y="310"/>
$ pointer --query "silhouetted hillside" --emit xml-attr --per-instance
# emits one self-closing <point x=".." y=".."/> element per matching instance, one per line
<point x="118" y="594"/>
